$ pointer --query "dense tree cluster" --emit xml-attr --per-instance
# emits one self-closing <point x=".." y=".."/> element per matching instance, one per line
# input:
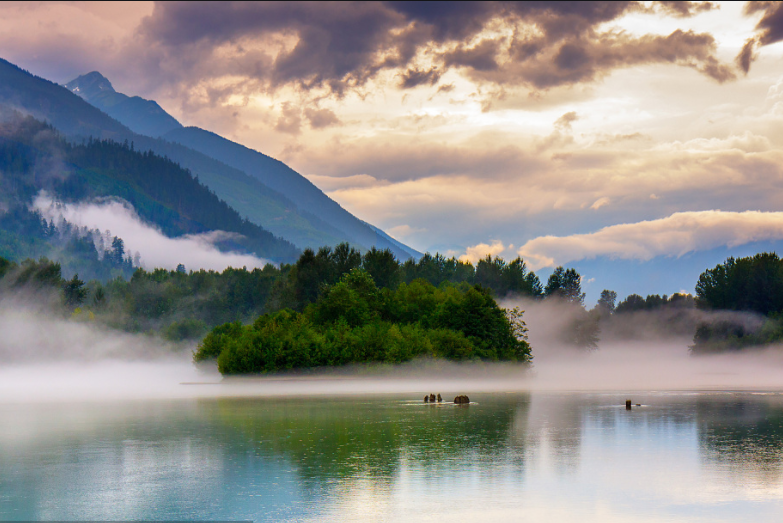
<point x="354" y="321"/>
<point x="752" y="284"/>
<point x="634" y="302"/>
<point x="743" y="284"/>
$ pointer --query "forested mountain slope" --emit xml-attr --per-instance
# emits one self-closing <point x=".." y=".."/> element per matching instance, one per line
<point x="77" y="120"/>
<point x="34" y="157"/>
<point x="299" y="211"/>
<point x="280" y="177"/>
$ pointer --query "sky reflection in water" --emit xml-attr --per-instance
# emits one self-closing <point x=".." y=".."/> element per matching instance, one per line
<point x="514" y="457"/>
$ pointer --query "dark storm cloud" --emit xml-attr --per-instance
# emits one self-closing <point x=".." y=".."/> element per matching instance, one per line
<point x="769" y="30"/>
<point x="342" y="45"/>
<point x="685" y="9"/>
<point x="414" y="77"/>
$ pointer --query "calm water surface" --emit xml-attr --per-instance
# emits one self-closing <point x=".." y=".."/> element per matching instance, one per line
<point x="506" y="457"/>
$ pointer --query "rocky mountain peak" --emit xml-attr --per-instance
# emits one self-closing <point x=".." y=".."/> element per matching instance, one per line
<point x="89" y="85"/>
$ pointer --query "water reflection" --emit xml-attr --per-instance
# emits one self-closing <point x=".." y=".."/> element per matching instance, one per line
<point x="743" y="436"/>
<point x="547" y="456"/>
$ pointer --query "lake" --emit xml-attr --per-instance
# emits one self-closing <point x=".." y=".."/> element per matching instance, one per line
<point x="541" y="456"/>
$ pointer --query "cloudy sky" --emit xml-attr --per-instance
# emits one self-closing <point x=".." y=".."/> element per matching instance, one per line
<point x="559" y="131"/>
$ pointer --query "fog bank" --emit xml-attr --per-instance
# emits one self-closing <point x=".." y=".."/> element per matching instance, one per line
<point x="49" y="359"/>
<point x="195" y="251"/>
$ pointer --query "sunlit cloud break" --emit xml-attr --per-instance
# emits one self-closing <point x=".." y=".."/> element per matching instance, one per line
<point x="477" y="252"/>
<point x="675" y="235"/>
<point x="195" y="251"/>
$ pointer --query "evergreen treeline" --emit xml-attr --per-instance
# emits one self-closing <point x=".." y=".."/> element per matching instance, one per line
<point x="634" y="302"/>
<point x="34" y="157"/>
<point x="752" y="284"/>
<point x="184" y="305"/>
<point x="354" y="321"/>
<point x="24" y="234"/>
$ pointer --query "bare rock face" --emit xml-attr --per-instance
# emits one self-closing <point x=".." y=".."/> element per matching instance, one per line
<point x="462" y="400"/>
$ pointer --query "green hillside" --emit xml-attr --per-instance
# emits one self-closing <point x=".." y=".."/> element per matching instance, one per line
<point x="78" y="120"/>
<point x="35" y="157"/>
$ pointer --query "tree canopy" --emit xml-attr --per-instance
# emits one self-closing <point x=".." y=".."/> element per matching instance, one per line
<point x="355" y="321"/>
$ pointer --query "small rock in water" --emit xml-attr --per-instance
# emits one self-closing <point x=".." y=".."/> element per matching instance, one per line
<point x="432" y="398"/>
<point x="439" y="398"/>
<point x="426" y="399"/>
<point x="461" y="400"/>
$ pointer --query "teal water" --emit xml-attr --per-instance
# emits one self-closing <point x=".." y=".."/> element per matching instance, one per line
<point x="506" y="457"/>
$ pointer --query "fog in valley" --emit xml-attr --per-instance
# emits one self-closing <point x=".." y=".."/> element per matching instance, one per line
<point x="47" y="358"/>
<point x="155" y="249"/>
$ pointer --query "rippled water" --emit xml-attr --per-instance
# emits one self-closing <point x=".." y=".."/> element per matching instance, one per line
<point x="506" y="457"/>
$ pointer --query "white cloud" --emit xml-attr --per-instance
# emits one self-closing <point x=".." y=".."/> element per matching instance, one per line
<point x="674" y="235"/>
<point x="195" y="251"/>
<point x="400" y="232"/>
<point x="477" y="252"/>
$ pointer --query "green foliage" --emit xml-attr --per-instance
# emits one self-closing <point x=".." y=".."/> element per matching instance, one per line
<point x="606" y="303"/>
<point x="634" y="302"/>
<point x="751" y="284"/>
<point x="383" y="267"/>
<point x="566" y="284"/>
<point x="74" y="291"/>
<point x="353" y="321"/>
<point x="743" y="284"/>
<point x="211" y="346"/>
<point x="34" y="157"/>
<point x="186" y="329"/>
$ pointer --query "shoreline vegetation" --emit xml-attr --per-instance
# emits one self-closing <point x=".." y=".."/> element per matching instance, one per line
<point x="355" y="322"/>
<point x="328" y="309"/>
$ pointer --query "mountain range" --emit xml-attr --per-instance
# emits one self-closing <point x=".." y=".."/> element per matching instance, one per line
<point x="261" y="189"/>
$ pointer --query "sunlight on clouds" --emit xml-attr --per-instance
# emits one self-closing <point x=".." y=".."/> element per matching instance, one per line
<point x="400" y="232"/>
<point x="482" y="250"/>
<point x="676" y="235"/>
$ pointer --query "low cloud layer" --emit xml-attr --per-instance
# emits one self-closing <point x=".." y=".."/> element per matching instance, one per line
<point x="195" y="251"/>
<point x="675" y="235"/>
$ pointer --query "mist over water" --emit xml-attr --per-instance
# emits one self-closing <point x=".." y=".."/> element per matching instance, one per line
<point x="45" y="358"/>
<point x="642" y="351"/>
